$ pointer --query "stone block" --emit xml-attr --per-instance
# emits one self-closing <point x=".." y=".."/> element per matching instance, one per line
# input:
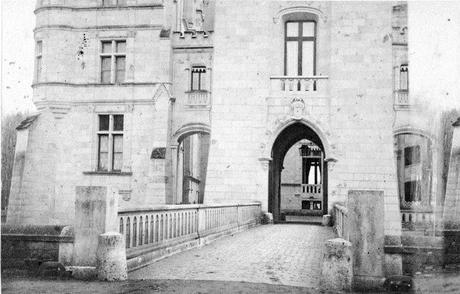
<point x="327" y="220"/>
<point x="111" y="257"/>
<point x="267" y="218"/>
<point x="85" y="273"/>
<point x="337" y="266"/>
<point x="366" y="227"/>
<point x="66" y="248"/>
<point x="95" y="214"/>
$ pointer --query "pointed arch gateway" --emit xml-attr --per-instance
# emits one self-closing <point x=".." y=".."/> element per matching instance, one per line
<point x="287" y="138"/>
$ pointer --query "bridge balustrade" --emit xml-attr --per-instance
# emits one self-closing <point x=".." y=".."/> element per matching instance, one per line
<point x="340" y="221"/>
<point x="174" y="224"/>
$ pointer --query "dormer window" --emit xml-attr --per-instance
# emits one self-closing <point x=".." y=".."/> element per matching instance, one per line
<point x="198" y="78"/>
<point x="300" y="48"/>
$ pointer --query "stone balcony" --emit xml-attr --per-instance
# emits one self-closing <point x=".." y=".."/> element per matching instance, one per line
<point x="401" y="99"/>
<point x="303" y="86"/>
<point x="198" y="99"/>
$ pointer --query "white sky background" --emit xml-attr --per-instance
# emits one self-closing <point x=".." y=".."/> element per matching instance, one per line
<point x="18" y="48"/>
<point x="434" y="53"/>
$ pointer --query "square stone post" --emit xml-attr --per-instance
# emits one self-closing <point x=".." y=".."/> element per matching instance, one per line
<point x="451" y="215"/>
<point x="96" y="210"/>
<point x="366" y="227"/>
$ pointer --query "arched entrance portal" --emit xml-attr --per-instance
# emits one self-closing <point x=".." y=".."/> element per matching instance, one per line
<point x="297" y="133"/>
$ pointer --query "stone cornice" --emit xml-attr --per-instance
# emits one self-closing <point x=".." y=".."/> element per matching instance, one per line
<point x="106" y="27"/>
<point x="82" y="8"/>
<point x="66" y="84"/>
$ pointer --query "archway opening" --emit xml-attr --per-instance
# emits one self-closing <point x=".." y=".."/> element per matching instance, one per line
<point x="298" y="174"/>
<point x="192" y="162"/>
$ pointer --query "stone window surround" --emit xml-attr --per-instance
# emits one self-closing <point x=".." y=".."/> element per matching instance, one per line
<point x="126" y="111"/>
<point x="113" y="54"/>
<point x="38" y="72"/>
<point x="110" y="133"/>
<point x="207" y="78"/>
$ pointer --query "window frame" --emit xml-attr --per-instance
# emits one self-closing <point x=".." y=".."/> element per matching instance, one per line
<point x="110" y="133"/>
<point x="113" y="55"/>
<point x="300" y="39"/>
<point x="38" y="60"/>
<point x="200" y="71"/>
<point x="404" y="68"/>
<point x="415" y="158"/>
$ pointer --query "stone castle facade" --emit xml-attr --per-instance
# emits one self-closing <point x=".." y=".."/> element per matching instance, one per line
<point x="177" y="102"/>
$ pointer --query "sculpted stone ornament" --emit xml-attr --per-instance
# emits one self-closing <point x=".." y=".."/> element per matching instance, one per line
<point x="297" y="108"/>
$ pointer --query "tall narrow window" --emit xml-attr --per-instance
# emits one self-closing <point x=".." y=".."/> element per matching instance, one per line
<point x="404" y="77"/>
<point x="300" y="48"/>
<point x="38" y="60"/>
<point x="198" y="78"/>
<point x="113" y="61"/>
<point x="110" y="142"/>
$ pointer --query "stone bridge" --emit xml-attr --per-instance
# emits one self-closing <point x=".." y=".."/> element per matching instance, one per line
<point x="285" y="254"/>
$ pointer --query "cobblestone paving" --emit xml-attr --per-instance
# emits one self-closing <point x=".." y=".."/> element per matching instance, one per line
<point x="284" y="254"/>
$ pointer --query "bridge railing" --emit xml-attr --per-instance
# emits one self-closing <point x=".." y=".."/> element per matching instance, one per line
<point x="174" y="224"/>
<point x="340" y="221"/>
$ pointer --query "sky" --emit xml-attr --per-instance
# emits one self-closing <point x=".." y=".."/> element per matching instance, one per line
<point x="434" y="35"/>
<point x="17" y="23"/>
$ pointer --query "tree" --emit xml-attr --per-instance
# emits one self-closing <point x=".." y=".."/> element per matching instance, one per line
<point x="9" y="124"/>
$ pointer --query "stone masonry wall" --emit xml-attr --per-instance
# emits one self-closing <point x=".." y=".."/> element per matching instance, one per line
<point x="354" y="113"/>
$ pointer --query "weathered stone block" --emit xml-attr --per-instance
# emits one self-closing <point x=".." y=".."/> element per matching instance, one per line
<point x="111" y="257"/>
<point x="95" y="214"/>
<point x="366" y="227"/>
<point x="337" y="267"/>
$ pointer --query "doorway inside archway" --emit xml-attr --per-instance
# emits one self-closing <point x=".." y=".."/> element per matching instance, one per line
<point x="298" y="175"/>
<point x="192" y="162"/>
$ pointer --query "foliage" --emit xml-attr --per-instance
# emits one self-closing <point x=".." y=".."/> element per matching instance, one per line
<point x="9" y="124"/>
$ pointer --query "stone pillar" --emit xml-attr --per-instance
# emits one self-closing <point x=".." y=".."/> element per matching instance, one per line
<point x="337" y="266"/>
<point x="451" y="215"/>
<point x="111" y="257"/>
<point x="366" y="227"/>
<point x="96" y="211"/>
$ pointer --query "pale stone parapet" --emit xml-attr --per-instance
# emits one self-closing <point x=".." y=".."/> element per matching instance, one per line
<point x="167" y="224"/>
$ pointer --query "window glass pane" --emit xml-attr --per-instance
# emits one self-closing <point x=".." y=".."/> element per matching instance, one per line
<point x="403" y="77"/>
<point x="308" y="29"/>
<point x="121" y="46"/>
<point x="195" y="80"/>
<point x="412" y="155"/>
<point x="107" y="47"/>
<point x="117" y="143"/>
<point x="106" y="69"/>
<point x="103" y="152"/>
<point x="103" y="122"/>
<point x="117" y="152"/>
<point x="292" y="59"/>
<point x="120" y="65"/>
<point x="307" y="58"/>
<point x="292" y="29"/>
<point x="118" y="122"/>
